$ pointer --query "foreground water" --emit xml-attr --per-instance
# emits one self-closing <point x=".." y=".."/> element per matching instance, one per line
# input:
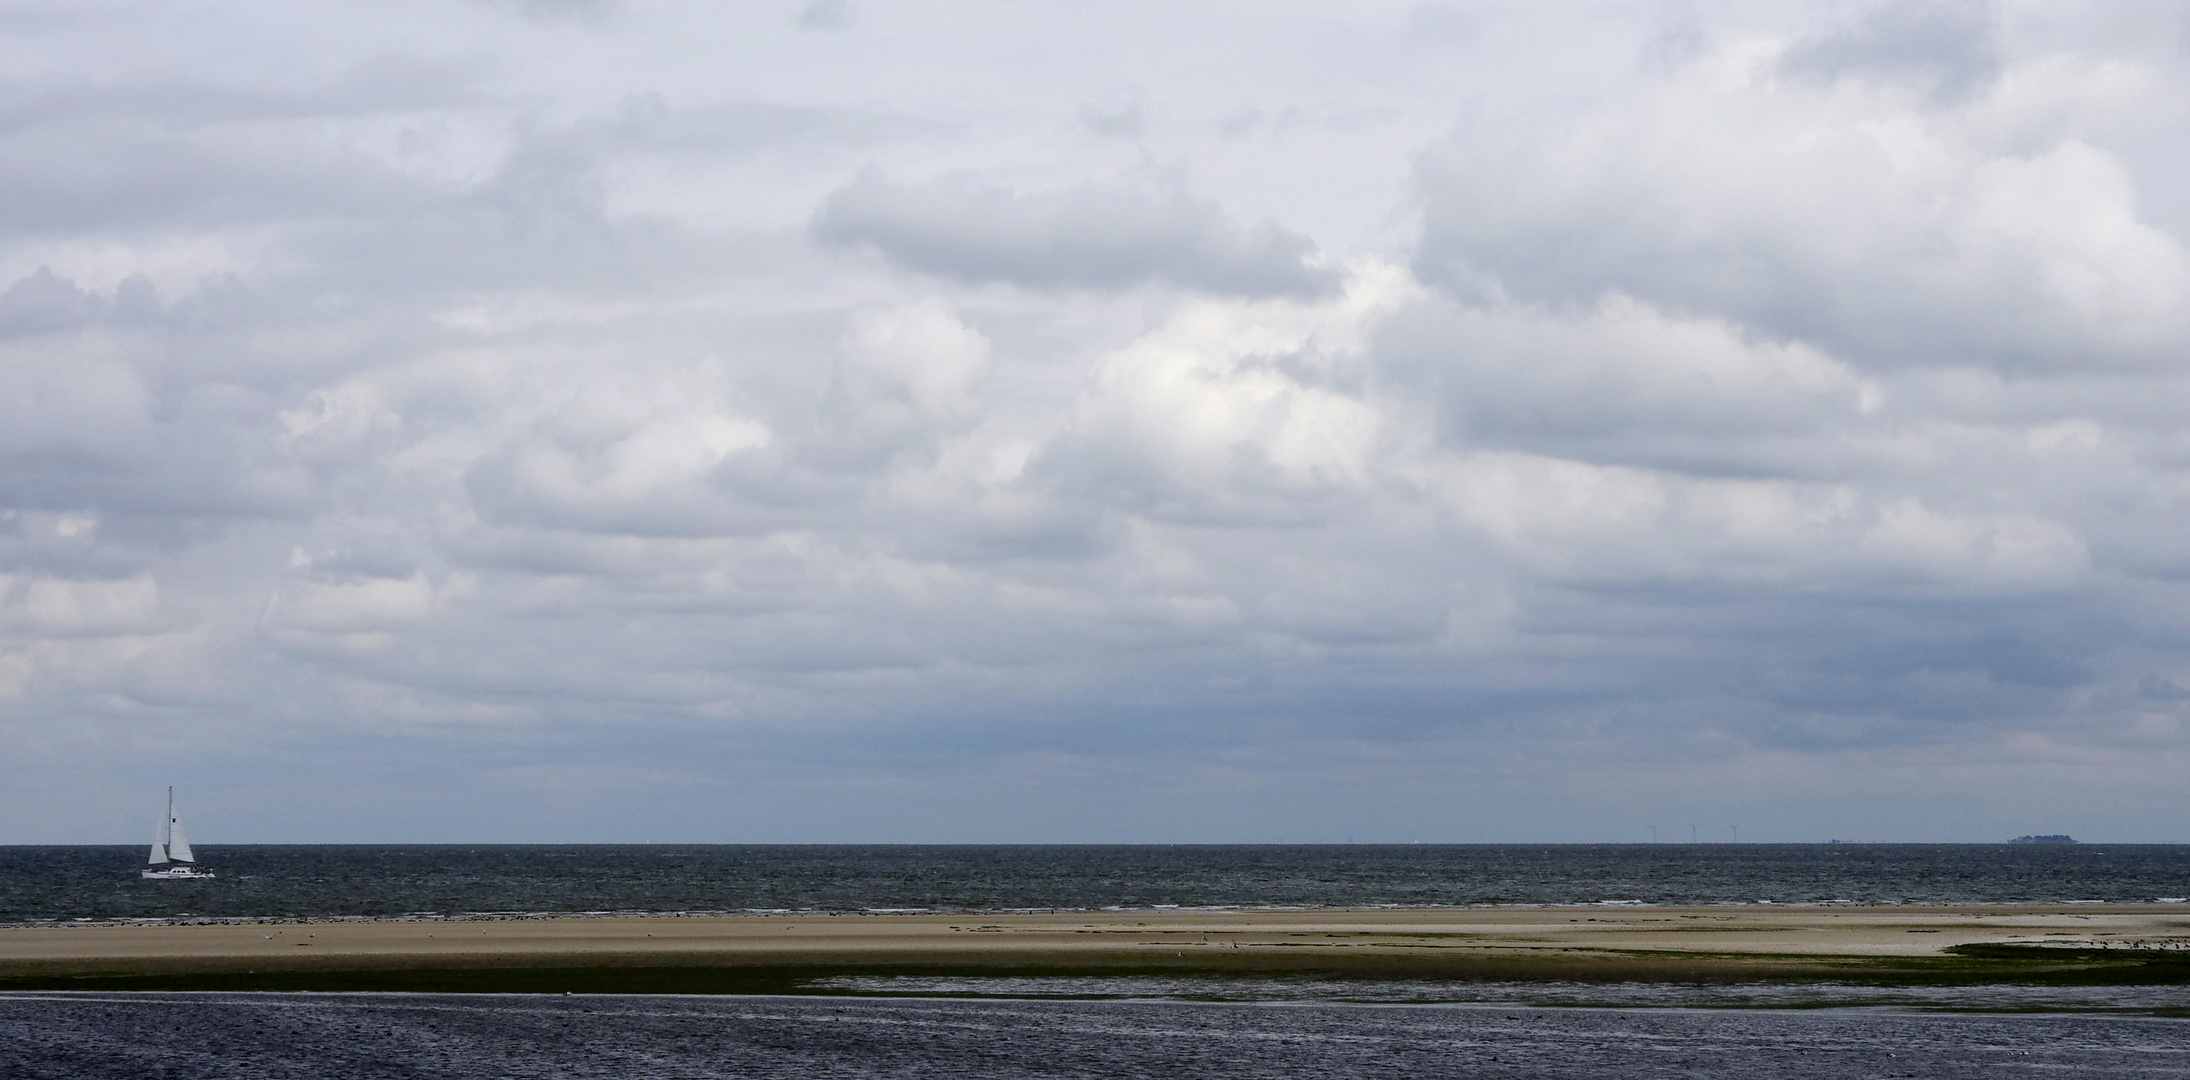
<point x="44" y="883"/>
<point x="221" y="1036"/>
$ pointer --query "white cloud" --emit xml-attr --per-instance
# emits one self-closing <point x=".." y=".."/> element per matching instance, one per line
<point x="365" y="605"/>
<point x="904" y="374"/>
<point x="1873" y="223"/>
<point x="59" y="607"/>
<point x="1238" y="408"/>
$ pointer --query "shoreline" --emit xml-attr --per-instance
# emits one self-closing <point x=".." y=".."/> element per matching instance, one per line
<point x="2080" y="944"/>
<point x="2160" y="906"/>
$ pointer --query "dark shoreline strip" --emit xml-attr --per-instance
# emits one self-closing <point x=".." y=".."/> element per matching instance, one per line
<point x="708" y="975"/>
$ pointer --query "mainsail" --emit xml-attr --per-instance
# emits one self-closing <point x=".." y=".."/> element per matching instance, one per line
<point x="170" y="842"/>
<point x="178" y="845"/>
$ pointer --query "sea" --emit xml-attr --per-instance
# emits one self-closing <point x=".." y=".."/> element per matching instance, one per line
<point x="395" y="880"/>
<point x="254" y="1036"/>
<point x="1167" y="1026"/>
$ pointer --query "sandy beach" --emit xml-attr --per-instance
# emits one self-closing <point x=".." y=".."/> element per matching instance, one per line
<point x="1623" y="943"/>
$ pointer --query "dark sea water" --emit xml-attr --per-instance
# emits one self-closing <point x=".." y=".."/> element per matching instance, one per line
<point x="221" y="1036"/>
<point x="1143" y="1026"/>
<point x="260" y="881"/>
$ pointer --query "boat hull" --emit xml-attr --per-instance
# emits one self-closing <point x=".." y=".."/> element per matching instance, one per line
<point x="188" y="873"/>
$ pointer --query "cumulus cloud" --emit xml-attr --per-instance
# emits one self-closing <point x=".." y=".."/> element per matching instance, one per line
<point x="1621" y="381"/>
<point x="1753" y="419"/>
<point x="1875" y="224"/>
<point x="1099" y="236"/>
<point x="626" y="459"/>
<point x="56" y="606"/>
<point x="1615" y="526"/>
<point x="44" y="302"/>
<point x="1237" y="411"/>
<point x="905" y="376"/>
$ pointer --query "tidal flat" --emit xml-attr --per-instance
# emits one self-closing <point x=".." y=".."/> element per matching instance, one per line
<point x="2064" y="945"/>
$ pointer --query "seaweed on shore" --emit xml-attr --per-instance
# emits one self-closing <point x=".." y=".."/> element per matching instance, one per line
<point x="1969" y="965"/>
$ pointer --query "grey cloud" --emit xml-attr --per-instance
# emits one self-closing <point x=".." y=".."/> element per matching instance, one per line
<point x="1684" y="473"/>
<point x="138" y="153"/>
<point x="551" y="186"/>
<point x="1098" y="236"/>
<point x="152" y="418"/>
<point x="1008" y="528"/>
<point x="542" y="215"/>
<point x="380" y="85"/>
<point x="543" y="212"/>
<point x="1623" y="385"/>
<point x="1244" y="489"/>
<point x="43" y="303"/>
<point x="568" y="488"/>
<point x="1440" y="23"/>
<point x="1818" y="667"/>
<point x="1944" y="45"/>
<point x="1241" y="122"/>
<point x="756" y="125"/>
<point x="128" y="179"/>
<point x="34" y="18"/>
<point x="827" y="14"/>
<point x="557" y="11"/>
<point x="649" y="123"/>
<point x="1127" y="119"/>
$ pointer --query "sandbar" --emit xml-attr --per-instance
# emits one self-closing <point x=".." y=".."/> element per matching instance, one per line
<point x="2111" y="943"/>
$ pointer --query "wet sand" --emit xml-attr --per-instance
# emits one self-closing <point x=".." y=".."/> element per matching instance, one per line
<point x="1638" y="943"/>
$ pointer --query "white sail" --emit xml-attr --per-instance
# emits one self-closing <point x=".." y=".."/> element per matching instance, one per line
<point x="178" y="845"/>
<point x="170" y="845"/>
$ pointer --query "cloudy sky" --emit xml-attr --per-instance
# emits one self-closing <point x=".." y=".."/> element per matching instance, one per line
<point x="861" y="420"/>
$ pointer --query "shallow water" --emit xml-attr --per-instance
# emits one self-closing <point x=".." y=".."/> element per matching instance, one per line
<point x="222" y="1036"/>
<point x="2167" y="1001"/>
<point x="38" y="883"/>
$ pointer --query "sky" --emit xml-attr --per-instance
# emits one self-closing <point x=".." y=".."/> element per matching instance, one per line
<point x="970" y="421"/>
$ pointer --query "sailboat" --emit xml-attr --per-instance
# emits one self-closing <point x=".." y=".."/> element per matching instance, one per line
<point x="171" y="855"/>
